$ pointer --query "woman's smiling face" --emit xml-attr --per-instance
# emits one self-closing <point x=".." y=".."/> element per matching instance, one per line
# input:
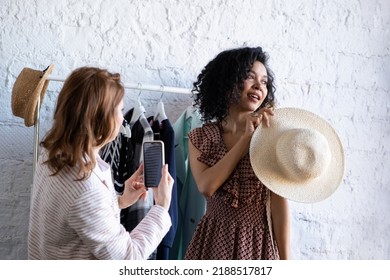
<point x="255" y="87"/>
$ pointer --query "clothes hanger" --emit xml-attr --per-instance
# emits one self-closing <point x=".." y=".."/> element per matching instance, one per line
<point x="160" y="110"/>
<point x="139" y="109"/>
<point x="125" y="129"/>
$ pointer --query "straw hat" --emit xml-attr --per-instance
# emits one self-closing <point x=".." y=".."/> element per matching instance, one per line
<point x="299" y="157"/>
<point x="29" y="85"/>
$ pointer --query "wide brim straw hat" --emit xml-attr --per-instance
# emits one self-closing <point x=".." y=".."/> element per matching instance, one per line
<point x="28" y="87"/>
<point x="299" y="157"/>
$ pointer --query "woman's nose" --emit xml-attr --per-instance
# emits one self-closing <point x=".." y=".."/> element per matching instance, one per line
<point x="256" y="85"/>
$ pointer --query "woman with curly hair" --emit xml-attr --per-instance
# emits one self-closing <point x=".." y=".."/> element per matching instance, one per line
<point x="244" y="220"/>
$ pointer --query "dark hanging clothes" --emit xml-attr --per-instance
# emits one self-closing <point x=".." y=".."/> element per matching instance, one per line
<point x="164" y="131"/>
<point x="140" y="131"/>
<point x="117" y="153"/>
<point x="124" y="154"/>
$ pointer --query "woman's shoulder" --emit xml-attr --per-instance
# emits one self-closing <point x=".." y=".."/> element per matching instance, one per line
<point x="208" y="130"/>
<point x="207" y="137"/>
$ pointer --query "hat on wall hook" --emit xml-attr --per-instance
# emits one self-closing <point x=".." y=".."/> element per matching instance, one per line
<point x="29" y="87"/>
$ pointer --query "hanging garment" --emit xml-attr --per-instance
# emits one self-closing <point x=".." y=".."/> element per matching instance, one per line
<point x="164" y="131"/>
<point x="140" y="132"/>
<point x="191" y="202"/>
<point x="117" y="154"/>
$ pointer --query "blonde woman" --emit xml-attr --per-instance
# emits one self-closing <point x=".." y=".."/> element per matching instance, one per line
<point x="75" y="210"/>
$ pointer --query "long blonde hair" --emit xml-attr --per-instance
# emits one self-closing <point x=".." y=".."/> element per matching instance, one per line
<point x="84" y="118"/>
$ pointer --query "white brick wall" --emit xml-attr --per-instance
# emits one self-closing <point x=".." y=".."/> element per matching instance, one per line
<point x="331" y="57"/>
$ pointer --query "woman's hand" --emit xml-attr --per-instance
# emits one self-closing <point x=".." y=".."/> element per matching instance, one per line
<point x="134" y="189"/>
<point x="254" y="119"/>
<point x="264" y="115"/>
<point x="163" y="193"/>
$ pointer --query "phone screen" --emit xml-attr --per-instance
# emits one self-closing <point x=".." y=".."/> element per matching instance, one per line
<point x="153" y="153"/>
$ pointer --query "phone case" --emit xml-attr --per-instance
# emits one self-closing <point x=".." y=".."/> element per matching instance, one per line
<point x="153" y="158"/>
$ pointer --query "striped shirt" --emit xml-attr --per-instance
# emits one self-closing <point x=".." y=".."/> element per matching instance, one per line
<point x="80" y="219"/>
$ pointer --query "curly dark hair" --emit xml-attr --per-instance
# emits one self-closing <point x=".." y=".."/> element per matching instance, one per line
<point x="221" y="81"/>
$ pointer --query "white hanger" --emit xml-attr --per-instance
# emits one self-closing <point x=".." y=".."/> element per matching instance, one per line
<point x="125" y="130"/>
<point x="139" y="109"/>
<point x="160" y="111"/>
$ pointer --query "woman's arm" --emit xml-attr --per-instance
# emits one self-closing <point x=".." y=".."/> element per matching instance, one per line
<point x="209" y="179"/>
<point x="95" y="220"/>
<point x="281" y="224"/>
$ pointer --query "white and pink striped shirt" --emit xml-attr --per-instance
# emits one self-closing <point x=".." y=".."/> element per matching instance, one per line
<point x="80" y="219"/>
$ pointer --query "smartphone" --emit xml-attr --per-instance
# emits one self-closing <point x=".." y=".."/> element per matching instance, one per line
<point x="153" y="158"/>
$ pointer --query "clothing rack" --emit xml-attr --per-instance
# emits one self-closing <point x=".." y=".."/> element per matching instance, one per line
<point x="140" y="86"/>
<point x="147" y="87"/>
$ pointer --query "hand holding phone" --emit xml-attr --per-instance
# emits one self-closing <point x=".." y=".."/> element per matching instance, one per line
<point x="163" y="194"/>
<point x="134" y="189"/>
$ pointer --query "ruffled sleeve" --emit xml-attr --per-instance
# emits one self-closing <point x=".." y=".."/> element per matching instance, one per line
<point x="208" y="141"/>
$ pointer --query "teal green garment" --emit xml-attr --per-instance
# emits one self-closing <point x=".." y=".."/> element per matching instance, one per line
<point x="192" y="204"/>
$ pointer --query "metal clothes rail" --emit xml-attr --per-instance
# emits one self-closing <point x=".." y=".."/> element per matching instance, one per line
<point x="140" y="86"/>
<point x="147" y="87"/>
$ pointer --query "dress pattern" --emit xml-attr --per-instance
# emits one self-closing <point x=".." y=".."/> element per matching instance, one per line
<point x="235" y="225"/>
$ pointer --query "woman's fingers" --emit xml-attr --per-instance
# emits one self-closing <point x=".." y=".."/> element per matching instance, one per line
<point x="266" y="114"/>
<point x="139" y="171"/>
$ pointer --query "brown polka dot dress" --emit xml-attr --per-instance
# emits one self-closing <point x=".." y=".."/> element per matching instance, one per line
<point x="235" y="225"/>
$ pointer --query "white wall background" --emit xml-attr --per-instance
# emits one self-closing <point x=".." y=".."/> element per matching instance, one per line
<point x="329" y="56"/>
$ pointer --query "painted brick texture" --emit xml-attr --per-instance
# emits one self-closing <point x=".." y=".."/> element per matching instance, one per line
<point x="331" y="57"/>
